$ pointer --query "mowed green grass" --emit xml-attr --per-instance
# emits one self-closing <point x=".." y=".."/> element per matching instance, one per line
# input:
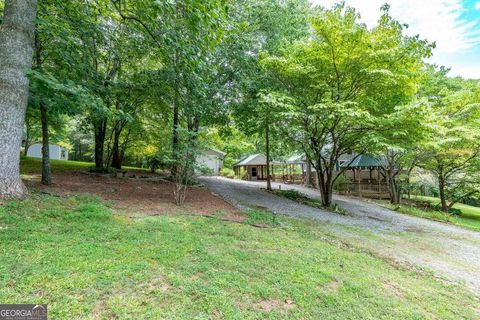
<point x="86" y="261"/>
<point x="470" y="216"/>
<point x="30" y="165"/>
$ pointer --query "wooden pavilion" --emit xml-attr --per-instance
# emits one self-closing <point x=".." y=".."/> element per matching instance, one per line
<point x="254" y="166"/>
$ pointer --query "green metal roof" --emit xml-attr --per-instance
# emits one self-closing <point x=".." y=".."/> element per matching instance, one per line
<point x="363" y="161"/>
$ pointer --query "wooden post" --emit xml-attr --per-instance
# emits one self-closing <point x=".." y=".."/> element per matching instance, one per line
<point x="360" y="183"/>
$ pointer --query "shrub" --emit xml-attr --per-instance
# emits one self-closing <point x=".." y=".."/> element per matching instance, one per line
<point x="243" y="175"/>
<point x="341" y="183"/>
<point x="228" y="173"/>
<point x="204" y="170"/>
<point x="452" y="211"/>
<point x="291" y="194"/>
<point x="157" y="161"/>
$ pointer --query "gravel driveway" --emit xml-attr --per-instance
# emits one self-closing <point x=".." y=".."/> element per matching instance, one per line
<point x="450" y="252"/>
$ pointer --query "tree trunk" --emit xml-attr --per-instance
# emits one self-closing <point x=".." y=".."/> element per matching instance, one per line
<point x="116" y="155"/>
<point x="100" y="132"/>
<point x="393" y="187"/>
<point x="27" y="143"/>
<point x="325" y="186"/>
<point x="46" y="169"/>
<point x="176" y="122"/>
<point x="308" y="174"/>
<point x="267" y="147"/>
<point x="16" y="51"/>
<point x="441" y="190"/>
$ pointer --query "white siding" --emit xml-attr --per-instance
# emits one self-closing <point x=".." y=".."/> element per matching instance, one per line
<point x="211" y="160"/>
<point x="56" y="152"/>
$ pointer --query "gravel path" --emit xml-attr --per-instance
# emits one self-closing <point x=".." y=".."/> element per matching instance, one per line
<point x="450" y="252"/>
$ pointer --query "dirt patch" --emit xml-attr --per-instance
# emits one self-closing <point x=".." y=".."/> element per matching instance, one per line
<point x="333" y="286"/>
<point x="148" y="195"/>
<point x="271" y="304"/>
<point x="158" y="284"/>
<point x="391" y="287"/>
<point x="99" y="308"/>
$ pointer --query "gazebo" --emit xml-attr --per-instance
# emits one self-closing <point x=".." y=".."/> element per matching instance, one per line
<point x="288" y="169"/>
<point x="364" y="173"/>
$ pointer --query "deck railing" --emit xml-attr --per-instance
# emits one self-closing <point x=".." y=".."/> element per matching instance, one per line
<point x="364" y="189"/>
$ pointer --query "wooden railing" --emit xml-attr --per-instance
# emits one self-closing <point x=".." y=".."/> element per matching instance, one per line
<point x="365" y="189"/>
<point x="289" y="178"/>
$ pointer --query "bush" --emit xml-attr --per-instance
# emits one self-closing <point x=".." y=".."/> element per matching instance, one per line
<point x="157" y="161"/>
<point x="228" y="173"/>
<point x="341" y="184"/>
<point x="291" y="194"/>
<point x="243" y="175"/>
<point x="204" y="170"/>
<point x="452" y="211"/>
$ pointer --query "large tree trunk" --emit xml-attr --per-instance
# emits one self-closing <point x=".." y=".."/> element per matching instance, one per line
<point x="46" y="169"/>
<point x="16" y="51"/>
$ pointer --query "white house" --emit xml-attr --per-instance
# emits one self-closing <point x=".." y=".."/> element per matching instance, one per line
<point x="211" y="159"/>
<point x="56" y="152"/>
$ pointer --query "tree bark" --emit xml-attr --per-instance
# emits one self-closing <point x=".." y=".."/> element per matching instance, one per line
<point x="393" y="188"/>
<point x="16" y="51"/>
<point x="176" y="121"/>
<point x="326" y="189"/>
<point x="267" y="147"/>
<point x="441" y="190"/>
<point x="46" y="168"/>
<point x="325" y="183"/>
<point x="100" y="133"/>
<point x="308" y="174"/>
<point x="116" y="155"/>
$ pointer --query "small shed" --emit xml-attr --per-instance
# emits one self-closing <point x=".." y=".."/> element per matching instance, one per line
<point x="56" y="152"/>
<point x="255" y="166"/>
<point x="211" y="159"/>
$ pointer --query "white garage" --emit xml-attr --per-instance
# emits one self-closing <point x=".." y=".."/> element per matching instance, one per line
<point x="56" y="152"/>
<point x="211" y="159"/>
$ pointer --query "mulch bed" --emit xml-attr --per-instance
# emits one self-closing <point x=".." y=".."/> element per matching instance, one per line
<point x="140" y="195"/>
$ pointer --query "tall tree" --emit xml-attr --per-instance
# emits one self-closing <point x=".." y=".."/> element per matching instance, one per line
<point x="400" y="145"/>
<point x="452" y="152"/>
<point x="342" y="82"/>
<point x="16" y="51"/>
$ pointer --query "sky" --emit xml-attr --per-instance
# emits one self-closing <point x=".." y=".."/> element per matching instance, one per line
<point x="453" y="24"/>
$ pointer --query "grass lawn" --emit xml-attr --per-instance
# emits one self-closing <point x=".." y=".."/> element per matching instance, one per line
<point x="30" y="165"/>
<point x="88" y="261"/>
<point x="470" y="216"/>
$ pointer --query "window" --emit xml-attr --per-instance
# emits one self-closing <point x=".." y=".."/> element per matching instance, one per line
<point x="63" y="154"/>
